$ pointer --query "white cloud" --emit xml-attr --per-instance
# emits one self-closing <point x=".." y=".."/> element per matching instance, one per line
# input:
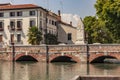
<point x="70" y="17"/>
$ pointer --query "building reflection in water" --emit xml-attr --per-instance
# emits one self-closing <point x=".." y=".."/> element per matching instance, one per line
<point x="5" y="70"/>
<point x="53" y="71"/>
<point x="21" y="72"/>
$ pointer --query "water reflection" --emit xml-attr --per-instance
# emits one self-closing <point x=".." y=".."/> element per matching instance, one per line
<point x="53" y="71"/>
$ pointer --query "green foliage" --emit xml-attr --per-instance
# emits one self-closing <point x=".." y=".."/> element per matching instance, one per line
<point x="96" y="30"/>
<point x="105" y="27"/>
<point x="51" y="39"/>
<point x="89" y="22"/>
<point x="34" y="36"/>
<point x="109" y="12"/>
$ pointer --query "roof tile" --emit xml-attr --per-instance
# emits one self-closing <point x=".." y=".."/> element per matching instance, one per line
<point x="22" y="6"/>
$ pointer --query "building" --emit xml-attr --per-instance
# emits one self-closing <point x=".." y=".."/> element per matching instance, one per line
<point x="67" y="33"/>
<point x="15" y="21"/>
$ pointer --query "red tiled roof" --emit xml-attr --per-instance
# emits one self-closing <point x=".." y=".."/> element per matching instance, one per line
<point x="22" y="6"/>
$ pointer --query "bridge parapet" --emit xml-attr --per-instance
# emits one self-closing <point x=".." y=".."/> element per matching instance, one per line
<point x="65" y="48"/>
<point x="105" y="47"/>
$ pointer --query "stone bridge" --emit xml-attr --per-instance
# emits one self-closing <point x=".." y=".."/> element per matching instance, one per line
<point x="62" y="53"/>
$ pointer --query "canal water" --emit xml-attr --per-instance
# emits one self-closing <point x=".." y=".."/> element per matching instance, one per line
<point x="53" y="71"/>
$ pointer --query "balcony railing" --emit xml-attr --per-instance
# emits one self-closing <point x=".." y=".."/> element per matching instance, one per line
<point x="2" y="29"/>
<point x="11" y="28"/>
<point x="16" y="42"/>
<point x="19" y="28"/>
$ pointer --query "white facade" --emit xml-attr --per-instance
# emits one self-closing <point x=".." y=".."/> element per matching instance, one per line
<point x="80" y="33"/>
<point x="67" y="33"/>
<point x="15" y="21"/>
<point x="52" y="21"/>
<point x="19" y="36"/>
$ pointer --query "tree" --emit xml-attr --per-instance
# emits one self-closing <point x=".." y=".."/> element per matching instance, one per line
<point x="89" y="22"/>
<point x="34" y="36"/>
<point x="51" y="39"/>
<point x="100" y="33"/>
<point x="96" y="30"/>
<point x="109" y="12"/>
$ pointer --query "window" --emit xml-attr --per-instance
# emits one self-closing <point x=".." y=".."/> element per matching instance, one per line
<point x="12" y="38"/>
<point x="19" y="13"/>
<point x="18" y="37"/>
<point x="1" y="25"/>
<point x="69" y="36"/>
<point x="52" y="22"/>
<point x="1" y="38"/>
<point x="46" y="20"/>
<point x="12" y="14"/>
<point x="32" y="23"/>
<point x="32" y="13"/>
<point x="55" y="23"/>
<point x="12" y="24"/>
<point x="1" y="14"/>
<point x="19" y="24"/>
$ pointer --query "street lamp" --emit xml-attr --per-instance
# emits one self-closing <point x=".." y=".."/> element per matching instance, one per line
<point x="47" y="54"/>
<point x="87" y="52"/>
<point x="13" y="51"/>
<point x="87" y="47"/>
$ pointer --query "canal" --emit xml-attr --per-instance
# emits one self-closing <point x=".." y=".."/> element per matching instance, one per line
<point x="53" y="71"/>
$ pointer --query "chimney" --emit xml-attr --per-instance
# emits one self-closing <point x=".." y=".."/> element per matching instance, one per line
<point x="59" y="13"/>
<point x="71" y="23"/>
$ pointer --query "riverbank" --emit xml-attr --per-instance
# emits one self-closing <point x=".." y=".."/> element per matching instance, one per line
<point x="96" y="77"/>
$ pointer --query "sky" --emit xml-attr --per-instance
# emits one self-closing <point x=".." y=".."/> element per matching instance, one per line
<point x="69" y="8"/>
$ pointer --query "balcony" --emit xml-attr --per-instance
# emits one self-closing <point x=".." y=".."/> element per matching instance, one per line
<point x="1" y="29"/>
<point x="19" y="29"/>
<point x="11" y="28"/>
<point x="16" y="42"/>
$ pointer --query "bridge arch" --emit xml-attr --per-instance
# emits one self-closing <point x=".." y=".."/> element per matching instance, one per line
<point x="23" y="57"/>
<point x="64" y="58"/>
<point x="101" y="58"/>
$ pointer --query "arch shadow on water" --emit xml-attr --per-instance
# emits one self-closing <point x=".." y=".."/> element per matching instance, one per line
<point x="63" y="59"/>
<point x="101" y="59"/>
<point x="26" y="58"/>
<point x="106" y="66"/>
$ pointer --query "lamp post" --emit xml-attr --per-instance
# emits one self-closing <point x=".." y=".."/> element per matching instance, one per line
<point x="13" y="60"/>
<point x="87" y="53"/>
<point x="47" y="48"/>
<point x="87" y="50"/>
<point x="87" y="47"/>
<point x="13" y="51"/>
